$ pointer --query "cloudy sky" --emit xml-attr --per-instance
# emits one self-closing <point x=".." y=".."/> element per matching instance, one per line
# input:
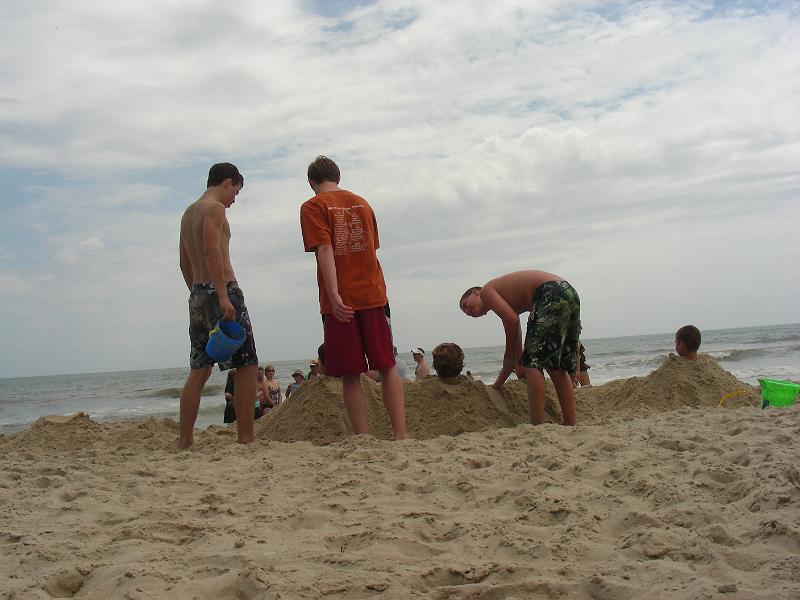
<point x="649" y="152"/>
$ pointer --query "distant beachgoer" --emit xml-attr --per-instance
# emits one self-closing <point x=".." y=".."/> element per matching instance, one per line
<point x="206" y="267"/>
<point x="422" y="370"/>
<point x="274" y="388"/>
<point x="314" y="372"/>
<point x="687" y="342"/>
<point x="399" y="364"/>
<point x="469" y="374"/>
<point x="448" y="361"/>
<point x="230" y="411"/>
<point x="341" y="229"/>
<point x="583" y="368"/>
<point x="402" y="367"/>
<point x="551" y="341"/>
<point x="299" y="378"/>
<point x="230" y="405"/>
<point x="321" y="357"/>
<point x="264" y="394"/>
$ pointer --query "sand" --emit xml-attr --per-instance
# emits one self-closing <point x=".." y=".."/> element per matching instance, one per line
<point x="659" y="492"/>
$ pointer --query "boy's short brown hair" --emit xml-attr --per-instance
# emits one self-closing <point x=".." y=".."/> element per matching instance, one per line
<point x="219" y="172"/>
<point x="448" y="360"/>
<point x="323" y="169"/>
<point x="476" y="288"/>
<point x="690" y="336"/>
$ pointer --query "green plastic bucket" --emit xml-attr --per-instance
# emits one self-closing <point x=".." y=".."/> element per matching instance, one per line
<point x="778" y="393"/>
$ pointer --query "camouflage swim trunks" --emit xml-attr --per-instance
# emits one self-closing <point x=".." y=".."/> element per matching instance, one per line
<point x="551" y="341"/>
<point x="204" y="312"/>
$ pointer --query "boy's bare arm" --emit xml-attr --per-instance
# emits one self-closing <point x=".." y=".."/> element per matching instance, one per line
<point x="510" y="318"/>
<point x="186" y="266"/>
<point x="327" y="267"/>
<point x="212" y="248"/>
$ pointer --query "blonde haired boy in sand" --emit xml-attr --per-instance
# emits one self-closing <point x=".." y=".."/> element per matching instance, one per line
<point x="687" y="342"/>
<point x="551" y="340"/>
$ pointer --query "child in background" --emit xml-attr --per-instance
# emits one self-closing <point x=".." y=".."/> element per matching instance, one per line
<point x="687" y="342"/>
<point x="448" y="360"/>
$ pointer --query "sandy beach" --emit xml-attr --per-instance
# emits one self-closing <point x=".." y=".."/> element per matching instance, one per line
<point x="659" y="492"/>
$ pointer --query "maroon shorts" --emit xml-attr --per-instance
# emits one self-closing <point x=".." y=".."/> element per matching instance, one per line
<point x="349" y="346"/>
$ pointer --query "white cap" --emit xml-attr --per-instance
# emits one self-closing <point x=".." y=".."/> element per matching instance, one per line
<point x="418" y="351"/>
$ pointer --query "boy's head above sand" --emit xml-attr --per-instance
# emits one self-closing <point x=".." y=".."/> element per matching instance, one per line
<point x="472" y="304"/>
<point x="687" y="341"/>
<point x="448" y="360"/>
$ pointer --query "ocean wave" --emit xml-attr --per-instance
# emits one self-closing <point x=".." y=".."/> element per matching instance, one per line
<point x="175" y="392"/>
<point x="774" y="339"/>
<point x="638" y="362"/>
<point x="738" y="354"/>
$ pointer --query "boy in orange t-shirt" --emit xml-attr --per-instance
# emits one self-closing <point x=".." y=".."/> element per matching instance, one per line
<point x="340" y="228"/>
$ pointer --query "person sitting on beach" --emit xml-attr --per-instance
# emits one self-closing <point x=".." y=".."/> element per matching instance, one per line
<point x="274" y="388"/>
<point x="551" y="341"/>
<point x="687" y="342"/>
<point x="448" y="360"/>
<point x="314" y="372"/>
<point x="299" y="378"/>
<point x="583" y="368"/>
<point x="265" y="396"/>
<point x="321" y="357"/>
<point x="230" y="406"/>
<point x="422" y="370"/>
<point x="230" y="411"/>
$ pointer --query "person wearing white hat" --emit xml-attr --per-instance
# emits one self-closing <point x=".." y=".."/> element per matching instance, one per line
<point x="422" y="370"/>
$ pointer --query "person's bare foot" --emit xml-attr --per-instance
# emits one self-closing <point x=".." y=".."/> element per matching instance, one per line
<point x="245" y="440"/>
<point x="184" y="445"/>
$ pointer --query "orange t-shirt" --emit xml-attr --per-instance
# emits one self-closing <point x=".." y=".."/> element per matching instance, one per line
<point x="346" y="222"/>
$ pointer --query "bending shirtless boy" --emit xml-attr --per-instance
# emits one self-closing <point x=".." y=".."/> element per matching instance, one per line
<point x="206" y="267"/>
<point x="551" y="341"/>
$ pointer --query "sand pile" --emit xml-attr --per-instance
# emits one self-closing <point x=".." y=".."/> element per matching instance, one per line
<point x="676" y="383"/>
<point x="316" y="412"/>
<point x="79" y="433"/>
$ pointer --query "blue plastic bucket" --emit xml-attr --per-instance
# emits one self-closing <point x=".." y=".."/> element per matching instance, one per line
<point x="224" y="340"/>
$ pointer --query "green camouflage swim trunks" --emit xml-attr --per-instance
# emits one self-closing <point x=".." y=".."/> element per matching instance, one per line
<point x="551" y="341"/>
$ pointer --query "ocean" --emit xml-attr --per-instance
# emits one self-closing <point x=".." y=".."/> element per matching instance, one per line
<point x="771" y="351"/>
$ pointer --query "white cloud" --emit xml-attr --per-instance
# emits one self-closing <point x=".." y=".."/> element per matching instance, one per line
<point x="92" y="244"/>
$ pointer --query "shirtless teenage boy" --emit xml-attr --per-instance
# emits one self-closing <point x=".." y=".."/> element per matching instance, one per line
<point x="552" y="333"/>
<point x="206" y="267"/>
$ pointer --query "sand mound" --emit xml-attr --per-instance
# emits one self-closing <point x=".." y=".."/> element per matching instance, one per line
<point x="79" y="432"/>
<point x="316" y="412"/>
<point x="677" y="382"/>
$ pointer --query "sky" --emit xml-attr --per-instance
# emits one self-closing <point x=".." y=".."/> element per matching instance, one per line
<point x="648" y="152"/>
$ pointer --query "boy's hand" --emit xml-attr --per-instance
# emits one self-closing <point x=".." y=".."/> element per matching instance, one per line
<point x="228" y="312"/>
<point x="341" y="311"/>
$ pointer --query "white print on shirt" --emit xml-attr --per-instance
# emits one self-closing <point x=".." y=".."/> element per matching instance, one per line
<point x="348" y="231"/>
